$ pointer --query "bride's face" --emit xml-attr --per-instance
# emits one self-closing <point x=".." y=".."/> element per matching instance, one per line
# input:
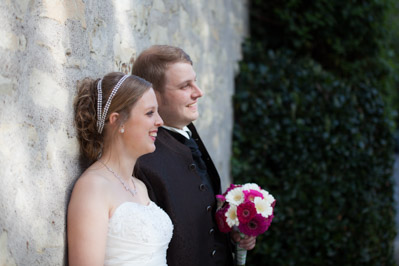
<point x="142" y="125"/>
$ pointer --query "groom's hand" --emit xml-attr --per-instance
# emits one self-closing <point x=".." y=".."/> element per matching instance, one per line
<point x="248" y="242"/>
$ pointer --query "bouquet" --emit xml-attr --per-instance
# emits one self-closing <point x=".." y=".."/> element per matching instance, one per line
<point x="246" y="208"/>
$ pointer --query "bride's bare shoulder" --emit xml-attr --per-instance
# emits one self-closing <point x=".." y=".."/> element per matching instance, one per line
<point x="93" y="183"/>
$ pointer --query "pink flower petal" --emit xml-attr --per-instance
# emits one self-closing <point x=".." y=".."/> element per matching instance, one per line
<point x="221" y="198"/>
<point x="246" y="211"/>
<point x="251" y="194"/>
<point x="221" y="220"/>
<point x="258" y="225"/>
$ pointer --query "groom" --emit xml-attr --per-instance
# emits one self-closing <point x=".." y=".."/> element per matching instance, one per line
<point x="180" y="175"/>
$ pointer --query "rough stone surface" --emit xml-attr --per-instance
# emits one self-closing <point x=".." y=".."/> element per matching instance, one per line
<point x="45" y="48"/>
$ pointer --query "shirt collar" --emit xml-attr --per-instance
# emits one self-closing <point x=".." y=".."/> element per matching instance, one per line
<point x="186" y="132"/>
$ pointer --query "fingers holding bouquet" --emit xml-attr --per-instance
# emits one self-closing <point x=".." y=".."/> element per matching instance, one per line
<point x="246" y="242"/>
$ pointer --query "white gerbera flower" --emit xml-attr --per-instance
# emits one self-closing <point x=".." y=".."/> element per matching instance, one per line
<point x="263" y="207"/>
<point x="231" y="216"/>
<point x="268" y="197"/>
<point x="235" y="196"/>
<point x="249" y="186"/>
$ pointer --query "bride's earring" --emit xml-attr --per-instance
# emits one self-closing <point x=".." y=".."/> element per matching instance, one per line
<point x="122" y="130"/>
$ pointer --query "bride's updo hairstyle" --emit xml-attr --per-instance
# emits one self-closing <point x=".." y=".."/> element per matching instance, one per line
<point x="119" y="93"/>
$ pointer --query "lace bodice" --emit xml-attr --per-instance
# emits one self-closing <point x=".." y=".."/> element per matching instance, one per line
<point x="138" y="235"/>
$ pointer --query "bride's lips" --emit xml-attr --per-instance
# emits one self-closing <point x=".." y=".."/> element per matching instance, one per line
<point x="153" y="134"/>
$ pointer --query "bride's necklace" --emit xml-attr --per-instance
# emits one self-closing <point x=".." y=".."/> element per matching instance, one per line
<point x="127" y="187"/>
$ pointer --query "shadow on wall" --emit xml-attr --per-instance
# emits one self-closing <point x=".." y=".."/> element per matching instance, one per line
<point x="12" y="130"/>
<point x="38" y="154"/>
<point x="99" y="51"/>
<point x="29" y="213"/>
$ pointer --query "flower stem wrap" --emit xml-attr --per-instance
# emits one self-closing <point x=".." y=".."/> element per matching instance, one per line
<point x="241" y="255"/>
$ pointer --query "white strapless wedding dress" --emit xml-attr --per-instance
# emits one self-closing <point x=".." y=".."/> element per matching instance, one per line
<point x="138" y="235"/>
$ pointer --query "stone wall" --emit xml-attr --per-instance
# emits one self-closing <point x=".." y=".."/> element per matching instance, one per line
<point x="46" y="46"/>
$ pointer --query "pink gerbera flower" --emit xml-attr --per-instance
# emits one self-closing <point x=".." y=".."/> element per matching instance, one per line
<point x="246" y="211"/>
<point x="251" y="194"/>
<point x="221" y="220"/>
<point x="258" y="225"/>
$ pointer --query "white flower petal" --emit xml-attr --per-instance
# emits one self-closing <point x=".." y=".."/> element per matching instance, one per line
<point x="231" y="216"/>
<point x="263" y="207"/>
<point x="264" y="193"/>
<point x="251" y="186"/>
<point x="270" y="199"/>
<point x="235" y="196"/>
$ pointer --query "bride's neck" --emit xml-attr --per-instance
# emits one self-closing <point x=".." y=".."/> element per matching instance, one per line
<point x="121" y="164"/>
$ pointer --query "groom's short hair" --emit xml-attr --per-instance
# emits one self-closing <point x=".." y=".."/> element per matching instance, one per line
<point x="153" y="62"/>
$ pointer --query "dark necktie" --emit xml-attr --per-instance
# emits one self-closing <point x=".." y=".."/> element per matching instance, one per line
<point x="199" y="162"/>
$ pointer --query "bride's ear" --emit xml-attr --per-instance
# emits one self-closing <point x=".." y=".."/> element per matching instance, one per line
<point x="113" y="117"/>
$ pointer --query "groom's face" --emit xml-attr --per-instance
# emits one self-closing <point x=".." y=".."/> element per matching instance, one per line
<point x="178" y="101"/>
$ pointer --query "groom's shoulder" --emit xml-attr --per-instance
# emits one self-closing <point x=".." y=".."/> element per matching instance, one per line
<point x="164" y="145"/>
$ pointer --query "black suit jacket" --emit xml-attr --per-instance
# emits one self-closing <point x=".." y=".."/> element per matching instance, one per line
<point x="173" y="183"/>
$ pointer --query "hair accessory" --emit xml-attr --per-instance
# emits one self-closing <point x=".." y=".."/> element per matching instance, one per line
<point x="101" y="116"/>
<point x="122" y="130"/>
<point x="99" y="104"/>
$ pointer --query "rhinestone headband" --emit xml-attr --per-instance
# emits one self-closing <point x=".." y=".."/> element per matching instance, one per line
<point x="101" y="116"/>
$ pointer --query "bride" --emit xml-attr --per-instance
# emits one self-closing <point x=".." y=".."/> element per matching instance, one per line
<point x="111" y="220"/>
